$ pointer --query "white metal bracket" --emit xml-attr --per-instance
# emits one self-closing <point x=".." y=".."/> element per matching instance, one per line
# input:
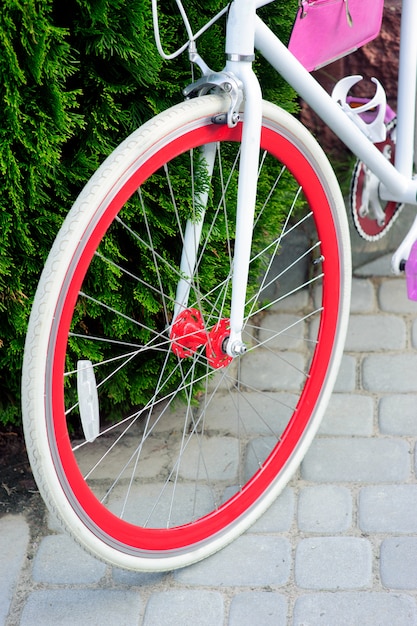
<point x="375" y="129"/>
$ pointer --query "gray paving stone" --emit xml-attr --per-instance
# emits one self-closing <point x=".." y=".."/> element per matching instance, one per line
<point x="347" y="375"/>
<point x="283" y="331"/>
<point x="73" y="607"/>
<point x="415" y="459"/>
<point x="398" y="415"/>
<point x="293" y="303"/>
<point x="259" y="607"/>
<point x="346" y="378"/>
<point x="356" y="460"/>
<point x="184" y="496"/>
<point x="348" y="414"/>
<point x="381" y="266"/>
<point x="59" y="560"/>
<point x="388" y="509"/>
<point x="256" y="371"/>
<point x="185" y="606"/>
<point x="393" y="297"/>
<point x="324" y="509"/>
<point x="333" y="563"/>
<point x="273" y="410"/>
<point x="136" y="579"/>
<point x="14" y="539"/>
<point x="280" y="515"/>
<point x="363" y="296"/>
<point x="251" y="560"/>
<point x="257" y="451"/>
<point x="390" y="373"/>
<point x="53" y="523"/>
<point x="361" y="608"/>
<point x="398" y="562"/>
<point x="369" y="333"/>
<point x="156" y="458"/>
<point x="221" y="457"/>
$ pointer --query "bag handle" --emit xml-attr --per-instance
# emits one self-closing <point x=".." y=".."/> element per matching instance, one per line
<point x="303" y="4"/>
<point x="348" y="15"/>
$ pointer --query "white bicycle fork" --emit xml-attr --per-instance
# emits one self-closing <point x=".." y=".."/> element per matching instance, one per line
<point x="240" y="38"/>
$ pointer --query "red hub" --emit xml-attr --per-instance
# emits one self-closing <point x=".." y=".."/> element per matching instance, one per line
<point x="188" y="334"/>
<point x="216" y="344"/>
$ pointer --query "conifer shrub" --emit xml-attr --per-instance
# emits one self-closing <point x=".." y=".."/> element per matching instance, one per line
<point x="76" y="78"/>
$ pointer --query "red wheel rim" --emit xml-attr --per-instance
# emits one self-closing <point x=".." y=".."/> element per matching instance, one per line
<point x="102" y="522"/>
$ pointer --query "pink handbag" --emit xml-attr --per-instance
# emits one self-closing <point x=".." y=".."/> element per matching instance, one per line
<point x="326" y="30"/>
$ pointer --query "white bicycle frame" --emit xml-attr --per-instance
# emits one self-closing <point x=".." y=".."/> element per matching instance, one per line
<point x="245" y="32"/>
<point x="396" y="182"/>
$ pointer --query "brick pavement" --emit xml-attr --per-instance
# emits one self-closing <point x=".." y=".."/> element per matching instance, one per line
<point x="339" y="547"/>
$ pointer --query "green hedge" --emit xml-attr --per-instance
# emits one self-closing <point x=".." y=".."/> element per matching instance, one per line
<point x="77" y="77"/>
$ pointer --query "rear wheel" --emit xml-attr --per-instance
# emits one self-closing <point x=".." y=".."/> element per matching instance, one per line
<point x="149" y="443"/>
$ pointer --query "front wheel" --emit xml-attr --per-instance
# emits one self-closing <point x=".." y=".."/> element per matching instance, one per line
<point x="152" y="447"/>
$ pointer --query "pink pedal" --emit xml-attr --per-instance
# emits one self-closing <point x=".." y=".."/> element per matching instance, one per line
<point x="411" y="273"/>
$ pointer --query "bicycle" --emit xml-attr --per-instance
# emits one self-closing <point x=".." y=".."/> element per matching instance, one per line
<point x="204" y="303"/>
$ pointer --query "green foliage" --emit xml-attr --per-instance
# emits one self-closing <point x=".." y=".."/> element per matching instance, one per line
<point x="40" y="114"/>
<point x="76" y="78"/>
